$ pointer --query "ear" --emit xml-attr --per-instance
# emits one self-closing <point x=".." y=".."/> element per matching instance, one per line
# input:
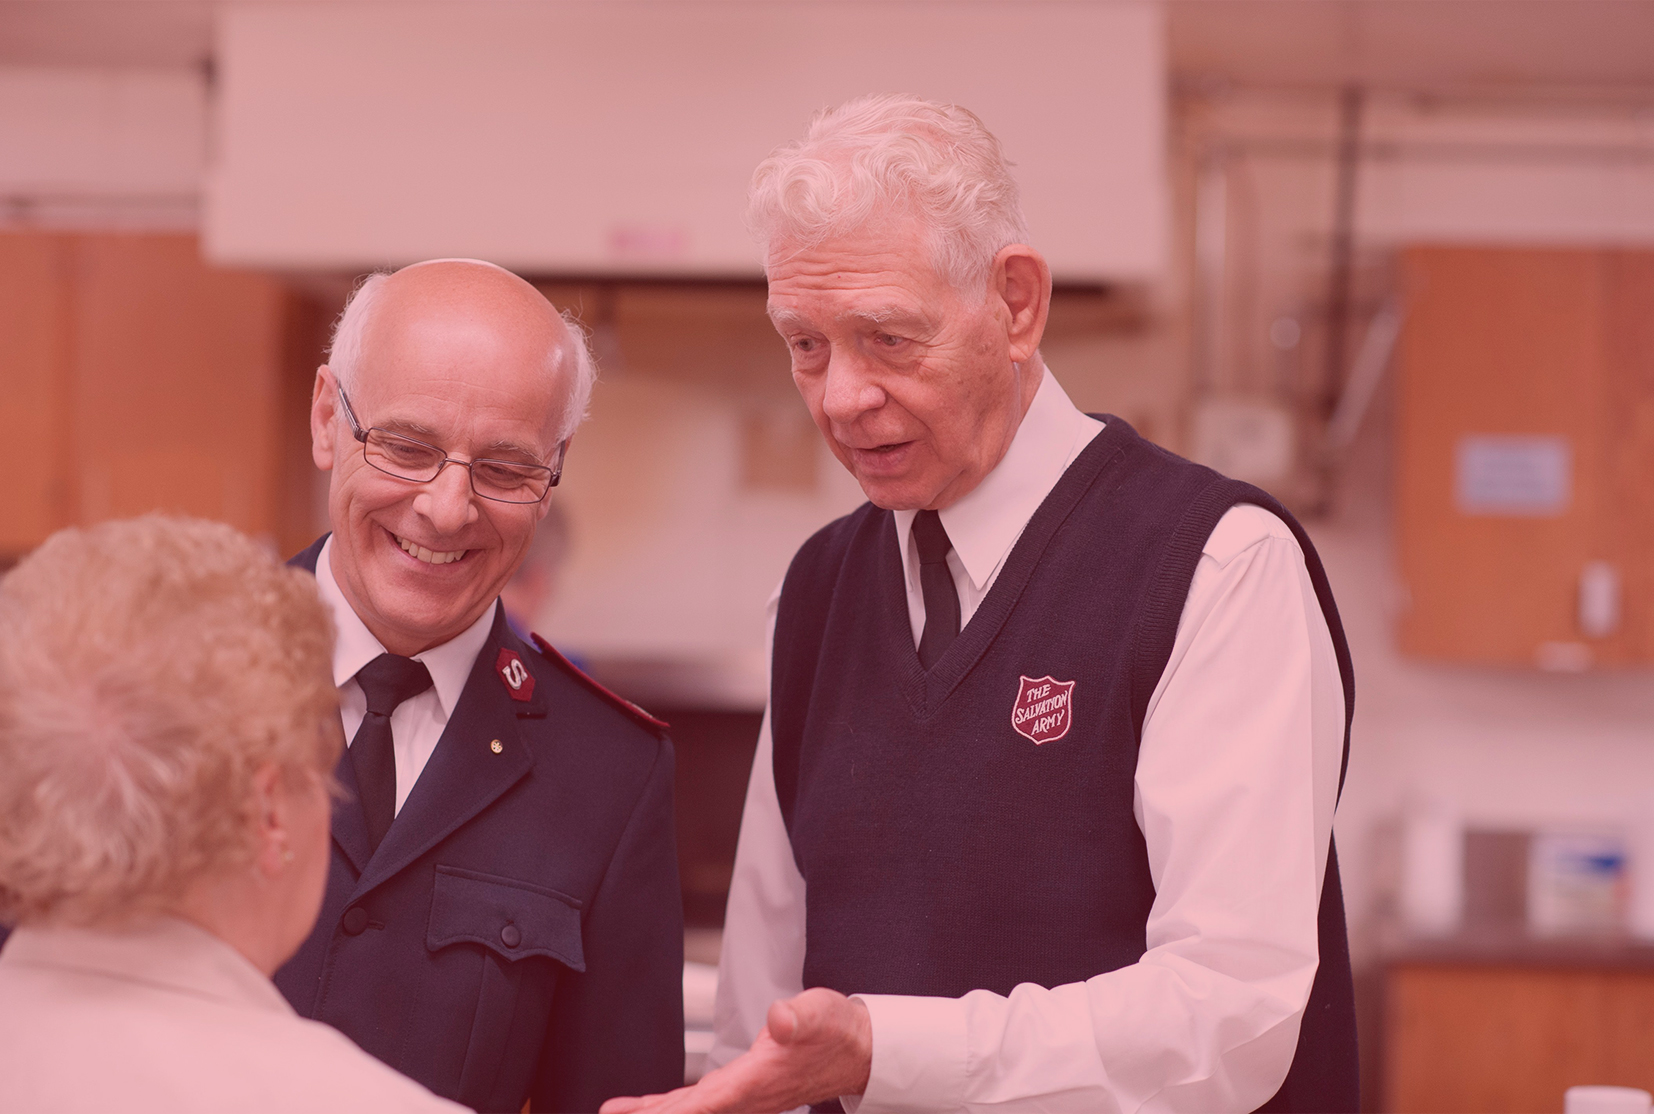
<point x="272" y="835"/>
<point x="544" y="507"/>
<point x="1022" y="280"/>
<point x="324" y="413"/>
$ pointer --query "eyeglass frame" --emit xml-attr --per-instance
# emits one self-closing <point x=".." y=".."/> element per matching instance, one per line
<point x="361" y="435"/>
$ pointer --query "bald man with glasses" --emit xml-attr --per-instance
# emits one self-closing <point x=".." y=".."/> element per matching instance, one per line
<point x="503" y="920"/>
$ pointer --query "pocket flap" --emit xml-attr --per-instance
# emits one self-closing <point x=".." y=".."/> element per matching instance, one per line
<point x="510" y="918"/>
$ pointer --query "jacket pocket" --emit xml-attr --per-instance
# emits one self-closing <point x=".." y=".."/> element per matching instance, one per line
<point x="511" y="919"/>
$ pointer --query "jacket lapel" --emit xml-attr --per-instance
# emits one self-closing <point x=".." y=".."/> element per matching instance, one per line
<point x="306" y="558"/>
<point x="464" y="774"/>
<point x="350" y="827"/>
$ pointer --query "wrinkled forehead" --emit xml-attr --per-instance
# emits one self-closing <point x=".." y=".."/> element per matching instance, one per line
<point x="893" y="232"/>
<point x="879" y="276"/>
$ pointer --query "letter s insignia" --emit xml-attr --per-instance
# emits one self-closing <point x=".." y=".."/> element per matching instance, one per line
<point x="519" y="682"/>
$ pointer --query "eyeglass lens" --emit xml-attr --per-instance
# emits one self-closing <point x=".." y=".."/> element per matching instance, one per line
<point x="500" y="480"/>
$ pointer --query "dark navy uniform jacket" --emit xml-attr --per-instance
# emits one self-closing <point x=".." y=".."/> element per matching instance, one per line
<point x="518" y="934"/>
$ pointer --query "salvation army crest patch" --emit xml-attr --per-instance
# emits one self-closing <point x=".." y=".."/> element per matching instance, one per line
<point x="519" y="683"/>
<point x="1044" y="710"/>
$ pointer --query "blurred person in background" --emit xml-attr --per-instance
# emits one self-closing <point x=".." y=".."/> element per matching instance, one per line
<point x="503" y="920"/>
<point x="529" y="592"/>
<point x="168" y="732"/>
<point x="1057" y="719"/>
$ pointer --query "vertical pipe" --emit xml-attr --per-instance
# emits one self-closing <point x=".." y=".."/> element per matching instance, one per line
<point x="1211" y="252"/>
<point x="1343" y="247"/>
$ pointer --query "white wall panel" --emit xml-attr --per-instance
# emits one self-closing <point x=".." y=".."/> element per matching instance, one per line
<point x="618" y="137"/>
<point x="101" y="131"/>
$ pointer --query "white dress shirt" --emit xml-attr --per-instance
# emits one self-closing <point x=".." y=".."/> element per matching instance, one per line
<point x="1237" y="777"/>
<point x="418" y="722"/>
<point x="167" y="1018"/>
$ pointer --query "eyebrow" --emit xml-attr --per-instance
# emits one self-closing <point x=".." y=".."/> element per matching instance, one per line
<point x="784" y="318"/>
<point x="412" y="429"/>
<point x="887" y="315"/>
<point x="426" y="433"/>
<point x="512" y="447"/>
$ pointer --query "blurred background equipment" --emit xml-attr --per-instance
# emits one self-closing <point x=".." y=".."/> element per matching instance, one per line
<point x="1606" y="1100"/>
<point x="1392" y="260"/>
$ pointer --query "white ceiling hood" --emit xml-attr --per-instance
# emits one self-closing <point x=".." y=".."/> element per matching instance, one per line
<point x="618" y="137"/>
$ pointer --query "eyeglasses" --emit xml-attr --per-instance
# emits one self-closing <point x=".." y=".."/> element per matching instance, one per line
<point x="407" y="458"/>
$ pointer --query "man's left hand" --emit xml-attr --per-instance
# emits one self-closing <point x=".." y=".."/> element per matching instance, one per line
<point x="815" y="1046"/>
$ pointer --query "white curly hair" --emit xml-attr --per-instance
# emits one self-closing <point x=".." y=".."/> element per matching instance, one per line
<point x="891" y="153"/>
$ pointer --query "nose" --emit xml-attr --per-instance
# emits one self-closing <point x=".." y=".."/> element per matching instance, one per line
<point x="850" y="391"/>
<point x="447" y="502"/>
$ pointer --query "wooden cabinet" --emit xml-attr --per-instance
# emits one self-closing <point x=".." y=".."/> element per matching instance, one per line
<point x="137" y="378"/>
<point x="1525" y="453"/>
<point x="1468" y="1037"/>
<point x="35" y="423"/>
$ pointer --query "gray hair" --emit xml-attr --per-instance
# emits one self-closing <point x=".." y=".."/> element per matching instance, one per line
<point x="887" y="152"/>
<point x="149" y="667"/>
<point x="344" y="354"/>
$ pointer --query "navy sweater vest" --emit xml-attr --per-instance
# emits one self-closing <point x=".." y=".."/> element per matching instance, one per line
<point x="971" y="826"/>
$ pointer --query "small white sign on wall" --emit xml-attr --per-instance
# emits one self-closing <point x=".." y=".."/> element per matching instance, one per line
<point x="1515" y="475"/>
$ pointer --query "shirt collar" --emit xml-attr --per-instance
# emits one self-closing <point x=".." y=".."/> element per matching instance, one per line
<point x="165" y="951"/>
<point x="354" y="645"/>
<point x="985" y="524"/>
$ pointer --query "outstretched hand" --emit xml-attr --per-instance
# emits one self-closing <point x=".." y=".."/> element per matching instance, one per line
<point x="815" y="1046"/>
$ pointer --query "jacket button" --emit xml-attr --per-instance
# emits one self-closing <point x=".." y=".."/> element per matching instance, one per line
<point x="356" y="919"/>
<point x="510" y="935"/>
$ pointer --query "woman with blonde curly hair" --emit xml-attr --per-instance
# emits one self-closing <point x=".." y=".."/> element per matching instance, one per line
<point x="168" y="731"/>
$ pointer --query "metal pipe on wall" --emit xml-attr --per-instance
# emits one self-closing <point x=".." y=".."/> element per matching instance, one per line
<point x="1339" y="280"/>
<point x="1211" y="264"/>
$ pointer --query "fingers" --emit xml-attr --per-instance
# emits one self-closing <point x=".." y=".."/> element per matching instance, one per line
<point x="816" y="1013"/>
<point x="709" y="1096"/>
<point x="725" y="1089"/>
<point x="783" y="1021"/>
<point x="681" y="1101"/>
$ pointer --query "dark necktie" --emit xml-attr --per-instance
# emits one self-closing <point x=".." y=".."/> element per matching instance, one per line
<point x="386" y="681"/>
<point x="936" y="582"/>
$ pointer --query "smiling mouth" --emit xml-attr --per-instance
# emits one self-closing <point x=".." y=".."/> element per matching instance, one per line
<point x="430" y="557"/>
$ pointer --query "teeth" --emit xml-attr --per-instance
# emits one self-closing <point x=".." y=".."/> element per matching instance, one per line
<point x="428" y="556"/>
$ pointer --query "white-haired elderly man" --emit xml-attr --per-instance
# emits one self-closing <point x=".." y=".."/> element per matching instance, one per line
<point x="503" y="920"/>
<point x="1057" y="720"/>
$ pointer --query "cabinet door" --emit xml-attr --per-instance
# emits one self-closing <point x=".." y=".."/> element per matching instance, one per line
<point x="1517" y="452"/>
<point x="1509" y="1039"/>
<point x="34" y="416"/>
<point x="175" y="380"/>
<point x="1630" y="439"/>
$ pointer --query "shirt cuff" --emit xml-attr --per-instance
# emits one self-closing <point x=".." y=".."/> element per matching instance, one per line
<point x="918" y="1055"/>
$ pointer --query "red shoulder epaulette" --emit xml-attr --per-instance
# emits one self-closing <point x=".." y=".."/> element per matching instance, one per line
<point x="550" y="653"/>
